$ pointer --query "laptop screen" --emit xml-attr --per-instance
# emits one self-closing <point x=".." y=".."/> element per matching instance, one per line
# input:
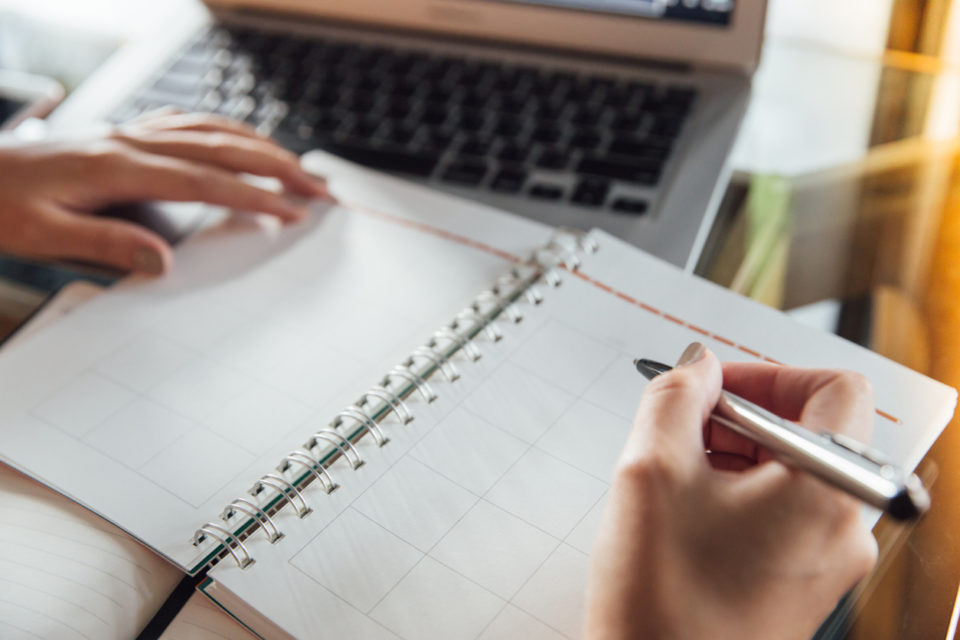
<point x="713" y="12"/>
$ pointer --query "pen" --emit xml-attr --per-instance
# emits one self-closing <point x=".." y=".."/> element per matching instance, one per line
<point x="836" y="459"/>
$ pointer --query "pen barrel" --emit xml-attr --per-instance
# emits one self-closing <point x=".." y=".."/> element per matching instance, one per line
<point x="880" y="485"/>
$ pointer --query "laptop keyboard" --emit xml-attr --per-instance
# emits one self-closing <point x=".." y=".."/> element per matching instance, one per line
<point x="552" y="136"/>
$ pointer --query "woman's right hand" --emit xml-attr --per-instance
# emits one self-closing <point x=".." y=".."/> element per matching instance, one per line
<point x="730" y="543"/>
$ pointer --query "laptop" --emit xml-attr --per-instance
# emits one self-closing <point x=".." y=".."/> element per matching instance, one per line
<point x="616" y="114"/>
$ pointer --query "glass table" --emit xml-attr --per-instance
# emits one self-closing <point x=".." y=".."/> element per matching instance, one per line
<point x="861" y="236"/>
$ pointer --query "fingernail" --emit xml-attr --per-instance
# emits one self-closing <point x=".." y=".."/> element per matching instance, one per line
<point x="319" y="185"/>
<point x="148" y="260"/>
<point x="691" y="354"/>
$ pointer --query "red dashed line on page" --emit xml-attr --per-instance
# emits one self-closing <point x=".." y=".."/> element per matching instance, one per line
<point x="480" y="246"/>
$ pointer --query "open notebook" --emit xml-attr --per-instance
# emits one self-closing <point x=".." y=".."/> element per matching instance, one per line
<point x="222" y="414"/>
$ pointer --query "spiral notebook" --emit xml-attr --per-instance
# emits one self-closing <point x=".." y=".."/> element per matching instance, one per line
<point x="396" y="420"/>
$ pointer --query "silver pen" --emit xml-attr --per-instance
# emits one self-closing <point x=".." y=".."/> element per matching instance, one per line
<point x="836" y="459"/>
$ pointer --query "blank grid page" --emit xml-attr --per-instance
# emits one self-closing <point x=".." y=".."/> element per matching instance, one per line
<point x="481" y="525"/>
<point x="162" y="400"/>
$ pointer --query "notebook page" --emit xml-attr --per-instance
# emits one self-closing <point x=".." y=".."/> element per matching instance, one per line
<point x="483" y="524"/>
<point x="68" y="298"/>
<point x="66" y="573"/>
<point x="159" y="401"/>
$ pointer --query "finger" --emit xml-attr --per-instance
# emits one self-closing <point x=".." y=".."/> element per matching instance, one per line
<point x="116" y="243"/>
<point x="832" y="400"/>
<point x="197" y="122"/>
<point x="132" y="175"/>
<point x="729" y="461"/>
<point x="232" y="152"/>
<point x="842" y="405"/>
<point x="840" y="401"/>
<point x="719" y="439"/>
<point x="159" y="112"/>
<point x="669" y="422"/>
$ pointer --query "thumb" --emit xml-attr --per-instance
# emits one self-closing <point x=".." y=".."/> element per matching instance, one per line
<point x="115" y="243"/>
<point x="674" y="407"/>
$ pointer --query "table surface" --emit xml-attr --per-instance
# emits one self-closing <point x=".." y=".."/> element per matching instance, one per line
<point x="844" y="211"/>
<point x="863" y="241"/>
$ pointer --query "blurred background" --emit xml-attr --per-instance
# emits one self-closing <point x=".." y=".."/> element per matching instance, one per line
<point x="844" y="211"/>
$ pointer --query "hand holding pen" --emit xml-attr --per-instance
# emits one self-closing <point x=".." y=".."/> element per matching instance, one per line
<point x="837" y="459"/>
<point x="730" y="544"/>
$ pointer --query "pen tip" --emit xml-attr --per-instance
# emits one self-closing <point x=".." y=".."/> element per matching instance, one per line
<point x="650" y="368"/>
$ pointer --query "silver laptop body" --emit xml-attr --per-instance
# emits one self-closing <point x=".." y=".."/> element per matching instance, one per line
<point x="615" y="57"/>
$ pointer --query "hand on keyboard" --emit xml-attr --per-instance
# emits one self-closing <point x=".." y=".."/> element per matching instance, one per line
<point x="50" y="190"/>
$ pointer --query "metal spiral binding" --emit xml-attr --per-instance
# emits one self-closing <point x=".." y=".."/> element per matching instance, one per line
<point x="254" y="510"/>
<point x="361" y="417"/>
<point x="327" y="445"/>
<point x="310" y="463"/>
<point x="281" y="484"/>
<point x="343" y="445"/>
<point x="424" y="389"/>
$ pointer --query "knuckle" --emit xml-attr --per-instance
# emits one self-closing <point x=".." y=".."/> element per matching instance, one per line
<point x="668" y="383"/>
<point x="106" y="154"/>
<point x="198" y="181"/>
<point x="222" y="143"/>
<point x="648" y="471"/>
<point x="854" y="384"/>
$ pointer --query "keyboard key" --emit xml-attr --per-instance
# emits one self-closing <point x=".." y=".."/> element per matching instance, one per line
<point x="509" y="180"/>
<point x="398" y="107"/>
<point x="618" y="168"/>
<point x="467" y="172"/>
<point x="508" y="126"/>
<point x="510" y="104"/>
<point x="627" y="121"/>
<point x="630" y="205"/>
<point x="359" y="101"/>
<point x="513" y="153"/>
<point x="433" y="114"/>
<point x="548" y="110"/>
<point x="362" y="127"/>
<point x="546" y="133"/>
<point x="639" y="147"/>
<point x="475" y="146"/>
<point x="544" y="191"/>
<point x="585" y="139"/>
<point x="397" y="132"/>
<point x="435" y="140"/>
<point x="384" y="158"/>
<point x="175" y="83"/>
<point x="587" y="114"/>
<point x="470" y="120"/>
<point x="192" y="66"/>
<point x="591" y="192"/>
<point x="552" y="158"/>
<point x="666" y="126"/>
